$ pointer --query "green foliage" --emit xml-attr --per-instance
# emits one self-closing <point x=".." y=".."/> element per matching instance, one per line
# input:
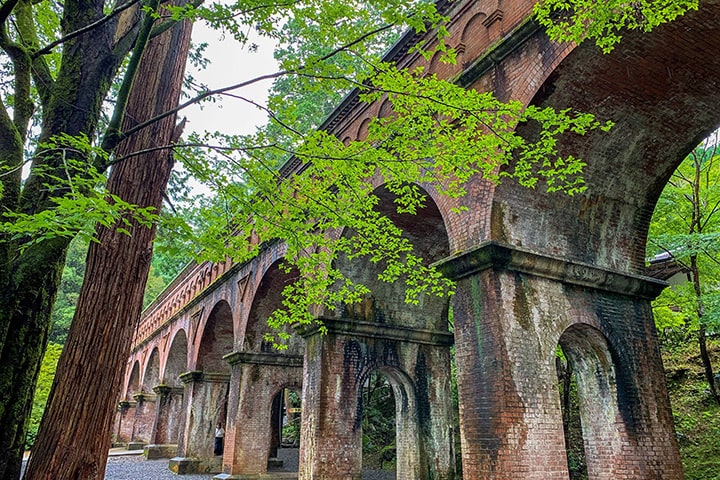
<point x="69" y="291"/>
<point x="686" y="223"/>
<point x="45" y="380"/>
<point x="80" y="201"/>
<point x="696" y="415"/>
<point x="604" y="22"/>
<point x="440" y="134"/>
<point x="378" y="423"/>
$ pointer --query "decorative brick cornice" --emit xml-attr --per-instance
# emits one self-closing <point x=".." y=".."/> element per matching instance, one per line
<point x="272" y="359"/>
<point x="144" y="397"/>
<point x="165" y="390"/>
<point x="193" y="376"/>
<point x="496" y="256"/>
<point x="380" y="331"/>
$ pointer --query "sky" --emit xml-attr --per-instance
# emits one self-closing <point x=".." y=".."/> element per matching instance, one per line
<point x="231" y="63"/>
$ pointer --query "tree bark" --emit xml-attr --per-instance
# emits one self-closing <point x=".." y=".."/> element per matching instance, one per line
<point x="74" y="435"/>
<point x="30" y="275"/>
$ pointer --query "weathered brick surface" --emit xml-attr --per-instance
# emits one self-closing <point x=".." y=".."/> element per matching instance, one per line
<point x="205" y="404"/>
<point x="512" y="311"/>
<point x="416" y="364"/>
<point x="169" y="412"/>
<point x="145" y="411"/>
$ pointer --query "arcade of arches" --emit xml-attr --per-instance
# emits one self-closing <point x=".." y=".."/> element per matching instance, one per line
<point x="534" y="271"/>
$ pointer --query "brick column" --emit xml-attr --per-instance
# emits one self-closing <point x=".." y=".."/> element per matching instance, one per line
<point x="512" y="309"/>
<point x="204" y="404"/>
<point x="144" y="417"/>
<point x="125" y="421"/>
<point x="257" y="378"/>
<point x="169" y="410"/>
<point x="415" y="361"/>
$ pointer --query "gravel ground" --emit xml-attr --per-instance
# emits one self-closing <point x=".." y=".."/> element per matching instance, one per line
<point x="135" y="467"/>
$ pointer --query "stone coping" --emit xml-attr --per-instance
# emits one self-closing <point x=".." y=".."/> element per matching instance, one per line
<point x="263" y="358"/>
<point x="207" y="377"/>
<point x="497" y="256"/>
<point x="382" y="331"/>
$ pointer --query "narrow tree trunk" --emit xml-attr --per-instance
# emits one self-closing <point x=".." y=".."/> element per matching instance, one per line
<point x="74" y="435"/>
<point x="702" y="333"/>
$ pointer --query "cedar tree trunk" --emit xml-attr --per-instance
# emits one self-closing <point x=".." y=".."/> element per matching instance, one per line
<point x="75" y="432"/>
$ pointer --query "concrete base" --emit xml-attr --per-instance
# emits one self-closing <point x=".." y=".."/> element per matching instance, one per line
<point x="184" y="465"/>
<point x="275" y="463"/>
<point x="151" y="452"/>
<point x="135" y="445"/>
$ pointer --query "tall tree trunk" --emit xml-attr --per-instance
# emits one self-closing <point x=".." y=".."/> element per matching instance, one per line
<point x="74" y="435"/>
<point x="30" y="274"/>
<point x="702" y="333"/>
<point x="25" y="307"/>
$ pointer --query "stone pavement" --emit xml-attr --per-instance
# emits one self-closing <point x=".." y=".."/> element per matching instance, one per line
<point x="126" y="464"/>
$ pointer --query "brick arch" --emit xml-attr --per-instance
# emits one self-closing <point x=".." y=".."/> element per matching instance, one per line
<point x="426" y="231"/>
<point x="151" y="377"/>
<point x="133" y="385"/>
<point x="268" y="298"/>
<point x="216" y="340"/>
<point x="589" y="353"/>
<point x="176" y="362"/>
<point x="660" y="90"/>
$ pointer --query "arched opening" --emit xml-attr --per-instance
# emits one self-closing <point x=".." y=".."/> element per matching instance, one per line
<point x="170" y="392"/>
<point x="177" y="362"/>
<point x="134" y="381"/>
<point x="386" y="304"/>
<point x="151" y="378"/>
<point x="206" y="389"/>
<point x="389" y="426"/>
<point x="267" y="299"/>
<point x="590" y="398"/>
<point x="285" y="413"/>
<point x="572" y="426"/>
<point x="217" y="340"/>
<point x="379" y="426"/>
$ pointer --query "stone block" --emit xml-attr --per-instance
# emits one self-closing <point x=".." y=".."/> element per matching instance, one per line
<point x="152" y="452"/>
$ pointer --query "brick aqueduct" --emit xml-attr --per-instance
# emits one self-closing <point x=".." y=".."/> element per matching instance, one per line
<point x="534" y="271"/>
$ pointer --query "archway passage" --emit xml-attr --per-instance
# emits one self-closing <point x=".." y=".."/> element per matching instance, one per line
<point x="285" y="431"/>
<point x="572" y="425"/>
<point x="170" y="396"/>
<point x="603" y="431"/>
<point x="262" y="377"/>
<point x="379" y="424"/>
<point x="205" y="393"/>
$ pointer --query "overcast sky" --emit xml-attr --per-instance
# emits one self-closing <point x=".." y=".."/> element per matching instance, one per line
<point x="231" y="64"/>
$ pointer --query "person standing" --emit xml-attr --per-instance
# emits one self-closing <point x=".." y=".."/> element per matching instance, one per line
<point x="219" y="439"/>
